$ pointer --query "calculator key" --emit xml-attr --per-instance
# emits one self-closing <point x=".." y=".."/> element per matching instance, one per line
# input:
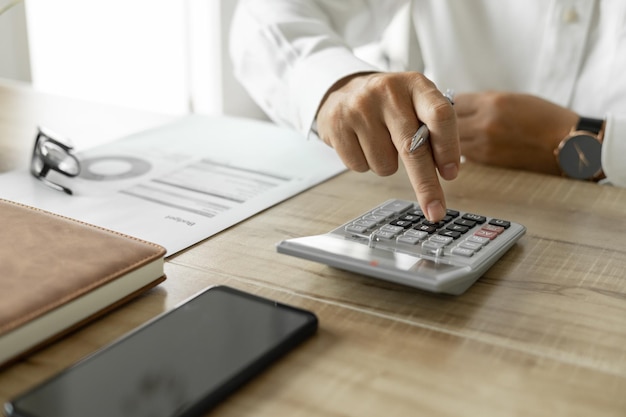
<point x="478" y="239"/>
<point x="457" y="228"/>
<point x="409" y="240"/>
<point x="390" y="228"/>
<point x="425" y="228"/>
<point x="411" y="218"/>
<point x="386" y="214"/>
<point x="462" y="252"/>
<point x="486" y="233"/>
<point x="492" y="228"/>
<point x="355" y="228"/>
<point x="404" y="224"/>
<point x="432" y="248"/>
<point x="445" y="240"/>
<point x="501" y="223"/>
<point x="447" y="218"/>
<point x="436" y="225"/>
<point x="369" y="223"/>
<point x="385" y="234"/>
<point x="417" y="233"/>
<point x="452" y="213"/>
<point x="467" y="244"/>
<point x="378" y="218"/>
<point x="398" y="206"/>
<point x="464" y="222"/>
<point x="450" y="233"/>
<point x="475" y="217"/>
<point x="417" y="212"/>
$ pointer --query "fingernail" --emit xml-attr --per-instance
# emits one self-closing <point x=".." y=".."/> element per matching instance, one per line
<point x="449" y="171"/>
<point x="435" y="211"/>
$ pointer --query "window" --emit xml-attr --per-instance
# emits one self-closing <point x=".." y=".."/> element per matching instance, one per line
<point x="166" y="56"/>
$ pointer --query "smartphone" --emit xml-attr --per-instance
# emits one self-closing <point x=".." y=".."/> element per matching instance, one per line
<point x="182" y="363"/>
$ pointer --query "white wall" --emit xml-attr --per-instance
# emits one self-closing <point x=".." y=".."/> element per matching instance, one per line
<point x="127" y="52"/>
<point x="14" y="59"/>
<point x="209" y="35"/>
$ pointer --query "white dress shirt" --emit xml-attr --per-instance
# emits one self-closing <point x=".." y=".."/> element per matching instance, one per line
<point x="288" y="53"/>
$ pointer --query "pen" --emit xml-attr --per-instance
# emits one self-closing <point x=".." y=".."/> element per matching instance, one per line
<point x="421" y="136"/>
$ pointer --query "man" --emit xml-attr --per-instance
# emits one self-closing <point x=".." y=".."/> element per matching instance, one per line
<point x="527" y="74"/>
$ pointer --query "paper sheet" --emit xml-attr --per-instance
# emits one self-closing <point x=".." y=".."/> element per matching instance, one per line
<point x="181" y="183"/>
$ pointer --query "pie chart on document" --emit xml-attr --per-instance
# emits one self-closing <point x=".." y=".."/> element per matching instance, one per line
<point x="113" y="168"/>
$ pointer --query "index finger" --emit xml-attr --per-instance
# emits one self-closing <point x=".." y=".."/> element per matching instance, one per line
<point x="436" y="111"/>
<point x="441" y="153"/>
<point x="422" y="174"/>
<point x="420" y="164"/>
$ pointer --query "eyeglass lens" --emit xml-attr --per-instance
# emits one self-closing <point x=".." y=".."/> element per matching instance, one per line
<point x="53" y="154"/>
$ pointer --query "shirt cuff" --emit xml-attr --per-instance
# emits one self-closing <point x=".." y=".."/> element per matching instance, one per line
<point x="315" y="75"/>
<point x="614" y="149"/>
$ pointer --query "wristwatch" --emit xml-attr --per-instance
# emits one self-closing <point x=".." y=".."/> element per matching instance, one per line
<point x="579" y="154"/>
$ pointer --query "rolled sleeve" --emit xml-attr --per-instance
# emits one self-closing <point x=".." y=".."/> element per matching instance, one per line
<point x="315" y="75"/>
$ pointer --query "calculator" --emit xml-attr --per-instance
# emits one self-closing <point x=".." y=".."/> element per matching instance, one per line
<point x="395" y="242"/>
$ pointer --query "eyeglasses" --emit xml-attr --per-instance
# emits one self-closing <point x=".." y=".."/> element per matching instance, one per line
<point x="53" y="153"/>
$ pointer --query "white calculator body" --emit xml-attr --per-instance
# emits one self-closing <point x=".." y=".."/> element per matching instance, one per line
<point x="395" y="242"/>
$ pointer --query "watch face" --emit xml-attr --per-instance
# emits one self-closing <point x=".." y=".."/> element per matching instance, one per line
<point x="581" y="157"/>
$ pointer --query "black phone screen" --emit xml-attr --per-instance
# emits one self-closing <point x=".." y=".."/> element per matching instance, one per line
<point x="179" y="364"/>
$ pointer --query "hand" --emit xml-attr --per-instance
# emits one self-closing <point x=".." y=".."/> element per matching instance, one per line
<point x="512" y="130"/>
<point x="369" y="119"/>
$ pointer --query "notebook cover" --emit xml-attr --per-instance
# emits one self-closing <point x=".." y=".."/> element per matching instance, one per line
<point x="48" y="261"/>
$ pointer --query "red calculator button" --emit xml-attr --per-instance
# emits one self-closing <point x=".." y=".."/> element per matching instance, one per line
<point x="486" y="233"/>
<point x="492" y="228"/>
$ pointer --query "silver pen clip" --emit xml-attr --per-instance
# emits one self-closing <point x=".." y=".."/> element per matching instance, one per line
<point x="421" y="136"/>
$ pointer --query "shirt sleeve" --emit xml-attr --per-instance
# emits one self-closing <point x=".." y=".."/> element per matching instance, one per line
<point x="288" y="53"/>
<point x="614" y="149"/>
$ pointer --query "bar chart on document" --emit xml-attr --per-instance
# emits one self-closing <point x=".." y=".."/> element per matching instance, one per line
<point x="207" y="187"/>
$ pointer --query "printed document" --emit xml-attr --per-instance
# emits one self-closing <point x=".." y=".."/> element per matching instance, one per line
<point x="183" y="182"/>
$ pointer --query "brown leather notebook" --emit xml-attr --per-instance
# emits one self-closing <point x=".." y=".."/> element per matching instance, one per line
<point x="58" y="273"/>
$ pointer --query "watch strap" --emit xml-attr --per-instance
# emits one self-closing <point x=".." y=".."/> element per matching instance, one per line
<point x="589" y="124"/>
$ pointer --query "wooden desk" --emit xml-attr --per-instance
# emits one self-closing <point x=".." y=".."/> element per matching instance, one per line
<point x="542" y="333"/>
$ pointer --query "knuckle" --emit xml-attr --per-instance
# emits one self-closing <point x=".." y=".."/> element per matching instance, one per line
<point x="489" y="128"/>
<point x="497" y="99"/>
<point x="358" y="110"/>
<point x="333" y="114"/>
<point x="357" y="100"/>
<point x="383" y="83"/>
<point x="405" y="144"/>
<point x="353" y="161"/>
<point x="330" y="122"/>
<point x="441" y="112"/>
<point x="388" y="88"/>
<point x="385" y="168"/>
<point x="421" y="82"/>
<point x="357" y="166"/>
